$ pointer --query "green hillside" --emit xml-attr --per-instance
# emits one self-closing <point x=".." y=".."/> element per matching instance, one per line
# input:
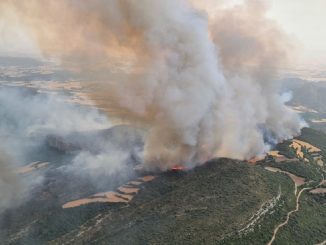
<point x="221" y="202"/>
<point x="210" y="204"/>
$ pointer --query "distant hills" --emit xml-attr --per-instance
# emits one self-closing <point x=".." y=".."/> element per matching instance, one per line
<point x="310" y="97"/>
<point x="19" y="61"/>
<point x="308" y="94"/>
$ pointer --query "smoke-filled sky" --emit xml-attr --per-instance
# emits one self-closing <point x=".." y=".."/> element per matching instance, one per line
<point x="303" y="20"/>
<point x="202" y="76"/>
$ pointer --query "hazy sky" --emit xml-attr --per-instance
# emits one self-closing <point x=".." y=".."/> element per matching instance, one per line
<point x="303" y="20"/>
<point x="14" y="40"/>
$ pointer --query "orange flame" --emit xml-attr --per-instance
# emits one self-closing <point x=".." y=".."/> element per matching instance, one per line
<point x="178" y="168"/>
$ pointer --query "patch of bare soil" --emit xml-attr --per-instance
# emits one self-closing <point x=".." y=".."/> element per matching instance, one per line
<point x="124" y="195"/>
<point x="31" y="167"/>
<point x="318" y="191"/>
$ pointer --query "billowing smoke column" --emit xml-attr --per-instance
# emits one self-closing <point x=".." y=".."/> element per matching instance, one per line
<point x="202" y="82"/>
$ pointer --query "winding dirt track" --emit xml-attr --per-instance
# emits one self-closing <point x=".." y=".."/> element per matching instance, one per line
<point x="288" y="215"/>
<point x="322" y="243"/>
<point x="295" y="210"/>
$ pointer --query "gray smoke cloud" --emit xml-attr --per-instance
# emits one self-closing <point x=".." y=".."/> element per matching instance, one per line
<point x="202" y="82"/>
<point x="27" y="119"/>
<point x="11" y="188"/>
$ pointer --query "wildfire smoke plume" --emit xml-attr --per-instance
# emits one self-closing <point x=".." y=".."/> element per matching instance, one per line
<point x="202" y="82"/>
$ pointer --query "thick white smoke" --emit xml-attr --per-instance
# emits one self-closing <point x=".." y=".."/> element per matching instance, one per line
<point x="202" y="82"/>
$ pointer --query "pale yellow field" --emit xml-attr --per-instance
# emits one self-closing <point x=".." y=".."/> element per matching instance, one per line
<point x="319" y="191"/>
<point x="278" y="157"/>
<point x="310" y="147"/>
<point x="31" y="167"/>
<point x="319" y="121"/>
<point x="111" y="196"/>
<point x="298" y="145"/>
